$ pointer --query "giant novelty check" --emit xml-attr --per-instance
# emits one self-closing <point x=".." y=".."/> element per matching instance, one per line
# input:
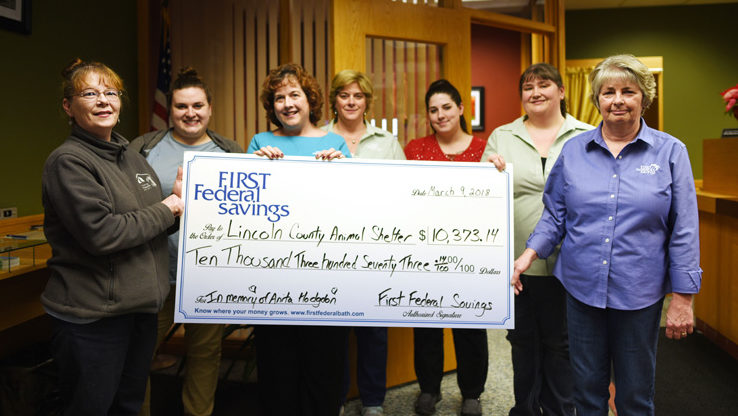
<point x="345" y="242"/>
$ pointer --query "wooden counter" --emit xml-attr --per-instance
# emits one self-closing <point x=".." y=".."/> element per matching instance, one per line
<point x="716" y="306"/>
<point x="21" y="286"/>
<point x="22" y="318"/>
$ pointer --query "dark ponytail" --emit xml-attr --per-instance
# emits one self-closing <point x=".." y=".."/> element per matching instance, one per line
<point x="442" y="86"/>
<point x="186" y="78"/>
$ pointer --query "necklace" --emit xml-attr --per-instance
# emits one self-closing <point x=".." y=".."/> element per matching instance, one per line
<point x="354" y="139"/>
<point x="452" y="156"/>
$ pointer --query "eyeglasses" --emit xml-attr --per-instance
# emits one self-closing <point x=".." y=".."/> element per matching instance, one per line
<point x="92" y="95"/>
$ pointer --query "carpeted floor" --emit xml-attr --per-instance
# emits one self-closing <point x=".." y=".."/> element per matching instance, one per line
<point x="693" y="377"/>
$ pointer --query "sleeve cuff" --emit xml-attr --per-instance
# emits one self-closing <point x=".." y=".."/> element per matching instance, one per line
<point x="683" y="281"/>
<point x="540" y="245"/>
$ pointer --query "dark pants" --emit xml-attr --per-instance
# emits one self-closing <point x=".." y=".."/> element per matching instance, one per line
<point x="472" y="360"/>
<point x="542" y="379"/>
<point x="103" y="365"/>
<point x="371" y="365"/>
<point x="628" y="340"/>
<point x="300" y="369"/>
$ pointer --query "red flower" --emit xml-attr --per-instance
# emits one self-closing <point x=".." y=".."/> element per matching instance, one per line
<point x="730" y="96"/>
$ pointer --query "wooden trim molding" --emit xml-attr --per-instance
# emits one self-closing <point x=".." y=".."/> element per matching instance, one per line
<point x="504" y="21"/>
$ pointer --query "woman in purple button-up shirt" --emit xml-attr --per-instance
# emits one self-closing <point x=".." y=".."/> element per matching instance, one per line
<point x="621" y="201"/>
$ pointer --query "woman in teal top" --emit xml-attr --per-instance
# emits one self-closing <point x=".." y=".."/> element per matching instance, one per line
<point x="274" y="146"/>
<point x="300" y="367"/>
<point x="293" y="102"/>
<point x="540" y="349"/>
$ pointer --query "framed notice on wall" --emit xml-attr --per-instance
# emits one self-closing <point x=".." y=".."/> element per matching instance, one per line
<point x="477" y="108"/>
<point x="15" y="15"/>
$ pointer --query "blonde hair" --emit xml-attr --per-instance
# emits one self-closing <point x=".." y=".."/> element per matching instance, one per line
<point x="626" y="67"/>
<point x="346" y="77"/>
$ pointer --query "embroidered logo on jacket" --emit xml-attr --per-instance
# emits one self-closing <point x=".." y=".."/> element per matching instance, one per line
<point x="649" y="169"/>
<point x="145" y="181"/>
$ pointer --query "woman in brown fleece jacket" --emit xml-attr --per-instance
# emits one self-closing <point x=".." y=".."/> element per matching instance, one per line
<point x="107" y="224"/>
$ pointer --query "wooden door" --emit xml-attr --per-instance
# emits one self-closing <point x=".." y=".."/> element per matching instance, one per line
<point x="378" y="37"/>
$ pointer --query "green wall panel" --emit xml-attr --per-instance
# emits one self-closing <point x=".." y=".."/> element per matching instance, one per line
<point x="30" y="110"/>
<point x="700" y="50"/>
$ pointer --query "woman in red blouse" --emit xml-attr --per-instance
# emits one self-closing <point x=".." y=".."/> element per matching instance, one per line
<point x="450" y="140"/>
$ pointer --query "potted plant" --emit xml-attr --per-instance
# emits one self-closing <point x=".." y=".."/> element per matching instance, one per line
<point x="730" y="96"/>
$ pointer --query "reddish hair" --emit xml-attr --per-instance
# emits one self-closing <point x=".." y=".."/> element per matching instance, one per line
<point x="291" y="73"/>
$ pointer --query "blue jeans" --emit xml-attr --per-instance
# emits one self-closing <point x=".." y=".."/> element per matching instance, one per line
<point x="103" y="365"/>
<point x="371" y="365"/>
<point x="625" y="339"/>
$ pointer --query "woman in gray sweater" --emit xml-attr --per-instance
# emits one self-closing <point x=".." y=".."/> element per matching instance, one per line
<point x="107" y="226"/>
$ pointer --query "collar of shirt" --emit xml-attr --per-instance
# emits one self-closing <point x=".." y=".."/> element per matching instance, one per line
<point x="517" y="128"/>
<point x="370" y="130"/>
<point x="645" y="135"/>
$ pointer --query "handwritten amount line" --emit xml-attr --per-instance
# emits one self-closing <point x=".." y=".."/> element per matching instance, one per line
<point x="464" y="245"/>
<point x="334" y="270"/>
